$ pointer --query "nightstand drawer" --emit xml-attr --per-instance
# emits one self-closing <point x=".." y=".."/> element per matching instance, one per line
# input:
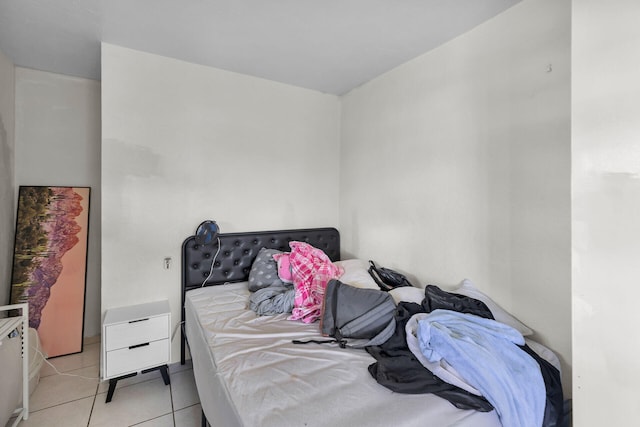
<point x="141" y="356"/>
<point x="123" y="335"/>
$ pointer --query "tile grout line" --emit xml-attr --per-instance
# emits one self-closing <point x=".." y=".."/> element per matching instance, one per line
<point x="58" y="404"/>
<point x="93" y="404"/>
<point x="173" y="409"/>
<point x="68" y="372"/>
<point x="52" y="361"/>
<point x="150" y="419"/>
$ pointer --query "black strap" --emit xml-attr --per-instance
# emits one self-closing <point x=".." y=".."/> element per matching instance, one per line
<point x="386" y="278"/>
<point x="334" y="310"/>
<point x="336" y="331"/>
<point x="373" y="272"/>
<point x="341" y="343"/>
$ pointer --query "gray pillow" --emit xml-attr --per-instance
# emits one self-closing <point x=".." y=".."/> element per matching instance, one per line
<point x="264" y="271"/>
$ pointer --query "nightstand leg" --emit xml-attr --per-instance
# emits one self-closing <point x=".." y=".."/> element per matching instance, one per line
<point x="164" y="370"/>
<point x="112" y="388"/>
<point x="112" y="385"/>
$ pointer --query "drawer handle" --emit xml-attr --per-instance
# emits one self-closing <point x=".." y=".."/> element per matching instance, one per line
<point x="138" y="320"/>
<point x="138" y="345"/>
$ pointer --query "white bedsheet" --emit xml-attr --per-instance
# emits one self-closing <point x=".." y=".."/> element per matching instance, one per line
<point x="248" y="373"/>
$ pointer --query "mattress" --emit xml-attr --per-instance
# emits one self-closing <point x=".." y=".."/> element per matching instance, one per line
<point x="249" y="373"/>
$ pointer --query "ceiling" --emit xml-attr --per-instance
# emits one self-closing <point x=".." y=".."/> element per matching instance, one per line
<point x="327" y="45"/>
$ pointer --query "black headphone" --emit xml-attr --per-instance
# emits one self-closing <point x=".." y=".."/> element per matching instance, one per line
<point x="206" y="232"/>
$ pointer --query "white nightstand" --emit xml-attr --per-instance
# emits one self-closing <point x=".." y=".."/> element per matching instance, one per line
<point x="136" y="339"/>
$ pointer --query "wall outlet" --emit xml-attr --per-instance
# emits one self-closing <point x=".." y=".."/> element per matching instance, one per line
<point x="167" y="263"/>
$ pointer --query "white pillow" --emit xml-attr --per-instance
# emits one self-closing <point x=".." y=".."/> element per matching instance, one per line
<point x="408" y="294"/>
<point x="356" y="274"/>
<point x="545" y="352"/>
<point x="467" y="288"/>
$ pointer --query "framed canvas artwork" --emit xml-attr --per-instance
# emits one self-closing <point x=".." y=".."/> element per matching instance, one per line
<point x="50" y="263"/>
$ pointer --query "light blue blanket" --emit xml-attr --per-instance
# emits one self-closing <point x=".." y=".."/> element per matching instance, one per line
<point x="485" y="354"/>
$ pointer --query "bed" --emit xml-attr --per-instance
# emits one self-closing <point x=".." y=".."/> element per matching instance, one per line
<point x="248" y="371"/>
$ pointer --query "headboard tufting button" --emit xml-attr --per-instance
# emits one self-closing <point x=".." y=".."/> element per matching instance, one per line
<point x="236" y="262"/>
<point x="226" y="273"/>
<point x="237" y="243"/>
<point x="226" y="253"/>
<point x="195" y="266"/>
<point x="207" y="255"/>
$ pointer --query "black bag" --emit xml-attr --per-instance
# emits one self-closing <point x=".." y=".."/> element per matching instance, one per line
<point x="355" y="317"/>
<point x="365" y="316"/>
<point x="437" y="299"/>
<point x="386" y="278"/>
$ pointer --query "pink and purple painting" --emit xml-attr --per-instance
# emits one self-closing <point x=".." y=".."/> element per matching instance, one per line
<point x="50" y="263"/>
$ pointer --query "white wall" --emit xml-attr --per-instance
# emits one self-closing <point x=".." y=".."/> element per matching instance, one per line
<point x="182" y="143"/>
<point x="606" y="212"/>
<point x="457" y="164"/>
<point x="58" y="143"/>
<point x="7" y="176"/>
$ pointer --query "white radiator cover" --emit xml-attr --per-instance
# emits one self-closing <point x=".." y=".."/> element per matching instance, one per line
<point x="11" y="384"/>
<point x="36" y="359"/>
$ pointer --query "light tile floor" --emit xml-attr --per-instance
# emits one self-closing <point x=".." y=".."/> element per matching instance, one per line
<point x="141" y="401"/>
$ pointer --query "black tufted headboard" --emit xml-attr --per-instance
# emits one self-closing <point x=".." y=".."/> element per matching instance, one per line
<point x="236" y="255"/>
